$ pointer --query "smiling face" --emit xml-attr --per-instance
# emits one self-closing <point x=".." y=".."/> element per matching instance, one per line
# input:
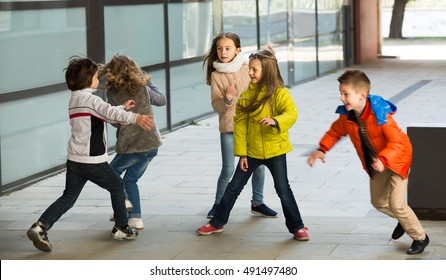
<point x="226" y="50"/>
<point x="353" y="98"/>
<point x="255" y="70"/>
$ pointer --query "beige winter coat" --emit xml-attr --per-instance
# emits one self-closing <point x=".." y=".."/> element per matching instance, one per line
<point x="235" y="72"/>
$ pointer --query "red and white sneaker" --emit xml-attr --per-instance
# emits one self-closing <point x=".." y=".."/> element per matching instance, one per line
<point x="301" y="234"/>
<point x="208" y="229"/>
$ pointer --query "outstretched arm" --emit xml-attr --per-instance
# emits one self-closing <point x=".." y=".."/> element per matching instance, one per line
<point x="315" y="155"/>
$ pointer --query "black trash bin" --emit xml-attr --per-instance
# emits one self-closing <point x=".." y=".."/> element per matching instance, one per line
<point x="427" y="180"/>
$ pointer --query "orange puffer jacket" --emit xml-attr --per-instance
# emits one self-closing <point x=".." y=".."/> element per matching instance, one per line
<point x="391" y="144"/>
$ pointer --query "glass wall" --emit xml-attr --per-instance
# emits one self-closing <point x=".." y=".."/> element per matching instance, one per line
<point x="304" y="40"/>
<point x="35" y="47"/>
<point x="189" y="39"/>
<point x="329" y="45"/>
<point x="168" y="39"/>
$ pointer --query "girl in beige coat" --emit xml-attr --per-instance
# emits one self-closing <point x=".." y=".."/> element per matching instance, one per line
<point x="227" y="73"/>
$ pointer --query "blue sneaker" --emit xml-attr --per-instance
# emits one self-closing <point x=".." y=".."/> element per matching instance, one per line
<point x="263" y="210"/>
<point x="212" y="212"/>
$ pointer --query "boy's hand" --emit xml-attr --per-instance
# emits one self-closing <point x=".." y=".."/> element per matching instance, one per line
<point x="314" y="156"/>
<point x="243" y="164"/>
<point x="145" y="121"/>
<point x="129" y="104"/>
<point x="378" y="165"/>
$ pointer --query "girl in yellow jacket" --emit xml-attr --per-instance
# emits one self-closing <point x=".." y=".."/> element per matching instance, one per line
<point x="264" y="113"/>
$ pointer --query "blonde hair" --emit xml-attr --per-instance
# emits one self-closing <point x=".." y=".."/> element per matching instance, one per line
<point x="124" y="73"/>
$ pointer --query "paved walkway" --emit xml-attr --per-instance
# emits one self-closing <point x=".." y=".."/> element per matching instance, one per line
<point x="179" y="187"/>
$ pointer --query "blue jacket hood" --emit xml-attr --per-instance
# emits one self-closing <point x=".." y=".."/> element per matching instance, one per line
<point x="379" y="106"/>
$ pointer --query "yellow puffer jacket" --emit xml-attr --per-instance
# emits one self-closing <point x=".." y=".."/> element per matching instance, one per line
<point x="262" y="141"/>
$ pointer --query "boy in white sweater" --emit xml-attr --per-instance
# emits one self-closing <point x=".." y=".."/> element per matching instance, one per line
<point x="87" y="151"/>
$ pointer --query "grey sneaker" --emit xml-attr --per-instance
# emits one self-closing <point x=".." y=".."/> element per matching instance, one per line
<point x="121" y="233"/>
<point x="38" y="235"/>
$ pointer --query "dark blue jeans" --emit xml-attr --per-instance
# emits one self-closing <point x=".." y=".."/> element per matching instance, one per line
<point x="278" y="168"/>
<point x="77" y="176"/>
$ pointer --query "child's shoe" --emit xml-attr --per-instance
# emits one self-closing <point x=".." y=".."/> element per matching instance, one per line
<point x="38" y="235"/>
<point x="301" y="234"/>
<point x="136" y="223"/>
<point x="208" y="229"/>
<point x="263" y="210"/>
<point x="121" y="233"/>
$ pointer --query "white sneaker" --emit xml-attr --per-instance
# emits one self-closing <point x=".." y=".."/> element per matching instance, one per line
<point x="38" y="235"/>
<point x="121" y="234"/>
<point x="128" y="205"/>
<point x="136" y="223"/>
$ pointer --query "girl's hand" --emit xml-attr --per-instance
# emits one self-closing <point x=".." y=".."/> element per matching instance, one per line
<point x="378" y="165"/>
<point x="243" y="164"/>
<point x="230" y="92"/>
<point x="314" y="156"/>
<point x="268" y="121"/>
<point x="129" y="104"/>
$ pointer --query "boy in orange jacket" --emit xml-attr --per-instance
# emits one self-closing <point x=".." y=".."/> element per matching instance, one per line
<point x="383" y="148"/>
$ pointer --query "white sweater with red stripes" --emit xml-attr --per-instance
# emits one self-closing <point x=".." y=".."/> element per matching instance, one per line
<point x="88" y="117"/>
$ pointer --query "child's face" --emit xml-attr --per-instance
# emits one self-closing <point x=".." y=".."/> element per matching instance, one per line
<point x="95" y="81"/>
<point x="226" y="50"/>
<point x="255" y="70"/>
<point x="353" y="98"/>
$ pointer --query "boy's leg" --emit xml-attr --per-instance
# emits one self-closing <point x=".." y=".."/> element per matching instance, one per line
<point x="389" y="195"/>
<point x="104" y="176"/>
<point x="277" y="166"/>
<point x="74" y="183"/>
<point x="73" y="186"/>
<point x="398" y="205"/>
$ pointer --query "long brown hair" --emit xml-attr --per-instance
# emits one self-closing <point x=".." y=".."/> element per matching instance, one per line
<point x="271" y="79"/>
<point x="124" y="73"/>
<point x="212" y="55"/>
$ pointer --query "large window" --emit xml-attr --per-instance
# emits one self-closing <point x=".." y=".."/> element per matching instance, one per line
<point x="35" y="47"/>
<point x="168" y="39"/>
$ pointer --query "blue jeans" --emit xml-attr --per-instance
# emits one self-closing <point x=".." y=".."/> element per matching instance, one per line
<point x="77" y="176"/>
<point x="134" y="166"/>
<point x="277" y="166"/>
<point x="227" y="170"/>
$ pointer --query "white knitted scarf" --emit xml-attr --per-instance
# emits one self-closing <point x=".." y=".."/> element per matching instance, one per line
<point x="232" y="66"/>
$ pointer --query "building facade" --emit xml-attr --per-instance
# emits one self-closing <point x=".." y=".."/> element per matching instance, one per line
<point x="168" y="39"/>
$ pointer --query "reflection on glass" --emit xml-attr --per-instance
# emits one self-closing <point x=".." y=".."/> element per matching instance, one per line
<point x="190" y="29"/>
<point x="190" y="96"/>
<point x="29" y="147"/>
<point x="304" y="43"/>
<point x="240" y="17"/>
<point x="273" y="21"/>
<point x="136" y="31"/>
<point x="35" y="46"/>
<point x="330" y="52"/>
